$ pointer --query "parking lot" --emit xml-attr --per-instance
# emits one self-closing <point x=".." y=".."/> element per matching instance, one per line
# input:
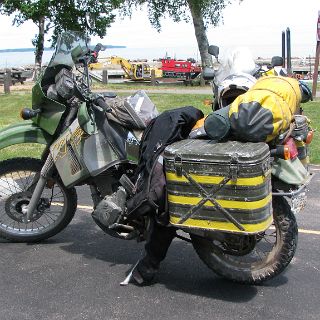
<point x="76" y="275"/>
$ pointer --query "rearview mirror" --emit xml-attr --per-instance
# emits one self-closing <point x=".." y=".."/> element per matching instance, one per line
<point x="214" y="51"/>
<point x="208" y="73"/>
<point x="99" y="47"/>
<point x="276" y="61"/>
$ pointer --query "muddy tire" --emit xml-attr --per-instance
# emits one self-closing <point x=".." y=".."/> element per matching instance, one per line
<point x="245" y="268"/>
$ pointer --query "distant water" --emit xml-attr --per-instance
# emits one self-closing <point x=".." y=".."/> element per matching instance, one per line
<point x="18" y="59"/>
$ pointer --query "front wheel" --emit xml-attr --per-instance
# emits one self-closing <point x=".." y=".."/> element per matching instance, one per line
<point x="54" y="211"/>
<point x="253" y="259"/>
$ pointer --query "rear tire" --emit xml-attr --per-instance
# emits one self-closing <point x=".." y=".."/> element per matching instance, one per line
<point x="235" y="267"/>
<point x="54" y="212"/>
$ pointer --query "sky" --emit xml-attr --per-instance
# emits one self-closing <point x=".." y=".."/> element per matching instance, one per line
<point x="256" y="24"/>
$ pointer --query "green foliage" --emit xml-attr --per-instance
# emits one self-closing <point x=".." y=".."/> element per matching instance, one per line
<point x="71" y="15"/>
<point x="178" y="10"/>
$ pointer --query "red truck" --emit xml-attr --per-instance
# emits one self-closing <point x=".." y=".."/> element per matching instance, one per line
<point x="172" y="68"/>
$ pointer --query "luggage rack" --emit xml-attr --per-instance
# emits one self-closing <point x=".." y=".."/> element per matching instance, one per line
<point x="298" y="197"/>
<point x="294" y="193"/>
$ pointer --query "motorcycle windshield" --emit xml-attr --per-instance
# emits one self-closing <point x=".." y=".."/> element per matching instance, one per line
<point x="235" y="61"/>
<point x="70" y="46"/>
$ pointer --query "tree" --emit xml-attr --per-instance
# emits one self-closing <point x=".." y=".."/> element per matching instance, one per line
<point x="202" y="13"/>
<point x="58" y="16"/>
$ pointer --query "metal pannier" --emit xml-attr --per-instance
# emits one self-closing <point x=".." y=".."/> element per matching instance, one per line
<point x="219" y="186"/>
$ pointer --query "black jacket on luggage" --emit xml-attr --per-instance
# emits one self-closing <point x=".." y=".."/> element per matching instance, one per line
<point x="168" y="127"/>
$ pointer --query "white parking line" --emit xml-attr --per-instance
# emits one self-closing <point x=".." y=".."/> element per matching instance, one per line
<point x="309" y="231"/>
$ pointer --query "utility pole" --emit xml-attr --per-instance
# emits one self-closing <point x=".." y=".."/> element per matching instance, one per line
<point x="289" y="65"/>
<point x="316" y="62"/>
<point x="283" y="41"/>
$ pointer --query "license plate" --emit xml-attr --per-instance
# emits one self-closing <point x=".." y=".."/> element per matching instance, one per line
<point x="298" y="202"/>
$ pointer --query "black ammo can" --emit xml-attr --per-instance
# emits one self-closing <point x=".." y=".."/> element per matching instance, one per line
<point x="219" y="186"/>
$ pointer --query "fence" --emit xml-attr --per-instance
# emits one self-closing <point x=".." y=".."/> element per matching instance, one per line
<point x="9" y="77"/>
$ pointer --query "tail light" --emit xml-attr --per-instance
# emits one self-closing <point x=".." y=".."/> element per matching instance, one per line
<point x="309" y="137"/>
<point x="292" y="148"/>
<point x="286" y="151"/>
<point x="281" y="151"/>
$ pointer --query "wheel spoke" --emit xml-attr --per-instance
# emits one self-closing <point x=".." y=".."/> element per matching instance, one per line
<point x="9" y="184"/>
<point x="15" y="184"/>
<point x="28" y="178"/>
<point x="21" y="180"/>
<point x="56" y="194"/>
<point x="37" y="222"/>
<point x="54" y="213"/>
<point x="46" y="215"/>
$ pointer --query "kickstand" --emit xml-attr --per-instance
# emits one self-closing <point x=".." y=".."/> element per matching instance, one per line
<point x="127" y="280"/>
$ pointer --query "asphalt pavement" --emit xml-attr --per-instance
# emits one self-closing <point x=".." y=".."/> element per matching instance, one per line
<point x="76" y="275"/>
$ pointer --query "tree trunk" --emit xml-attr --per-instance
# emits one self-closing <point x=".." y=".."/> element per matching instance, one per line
<point x="200" y="32"/>
<point x="39" y="47"/>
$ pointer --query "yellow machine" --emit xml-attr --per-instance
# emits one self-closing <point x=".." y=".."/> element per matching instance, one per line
<point x="136" y="71"/>
<point x="96" y="65"/>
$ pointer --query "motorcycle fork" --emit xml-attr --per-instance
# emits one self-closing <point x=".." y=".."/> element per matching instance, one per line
<point x="48" y="165"/>
<point x="44" y="174"/>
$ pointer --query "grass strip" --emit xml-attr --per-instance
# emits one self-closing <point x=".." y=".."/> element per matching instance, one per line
<point x="10" y="106"/>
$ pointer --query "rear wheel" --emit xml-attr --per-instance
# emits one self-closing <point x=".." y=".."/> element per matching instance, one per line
<point x="253" y="259"/>
<point x="54" y="211"/>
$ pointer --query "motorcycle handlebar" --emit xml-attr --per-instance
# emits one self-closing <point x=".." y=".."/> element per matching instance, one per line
<point x="98" y="47"/>
<point x="99" y="101"/>
<point x="95" y="52"/>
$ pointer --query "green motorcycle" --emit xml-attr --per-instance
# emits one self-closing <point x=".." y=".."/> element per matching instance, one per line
<point x="81" y="146"/>
<point x="93" y="139"/>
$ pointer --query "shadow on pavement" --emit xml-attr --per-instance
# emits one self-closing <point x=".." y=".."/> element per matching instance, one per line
<point x="188" y="274"/>
<point x="182" y="270"/>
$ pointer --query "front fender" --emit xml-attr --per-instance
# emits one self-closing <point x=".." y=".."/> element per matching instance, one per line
<point x="23" y="132"/>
